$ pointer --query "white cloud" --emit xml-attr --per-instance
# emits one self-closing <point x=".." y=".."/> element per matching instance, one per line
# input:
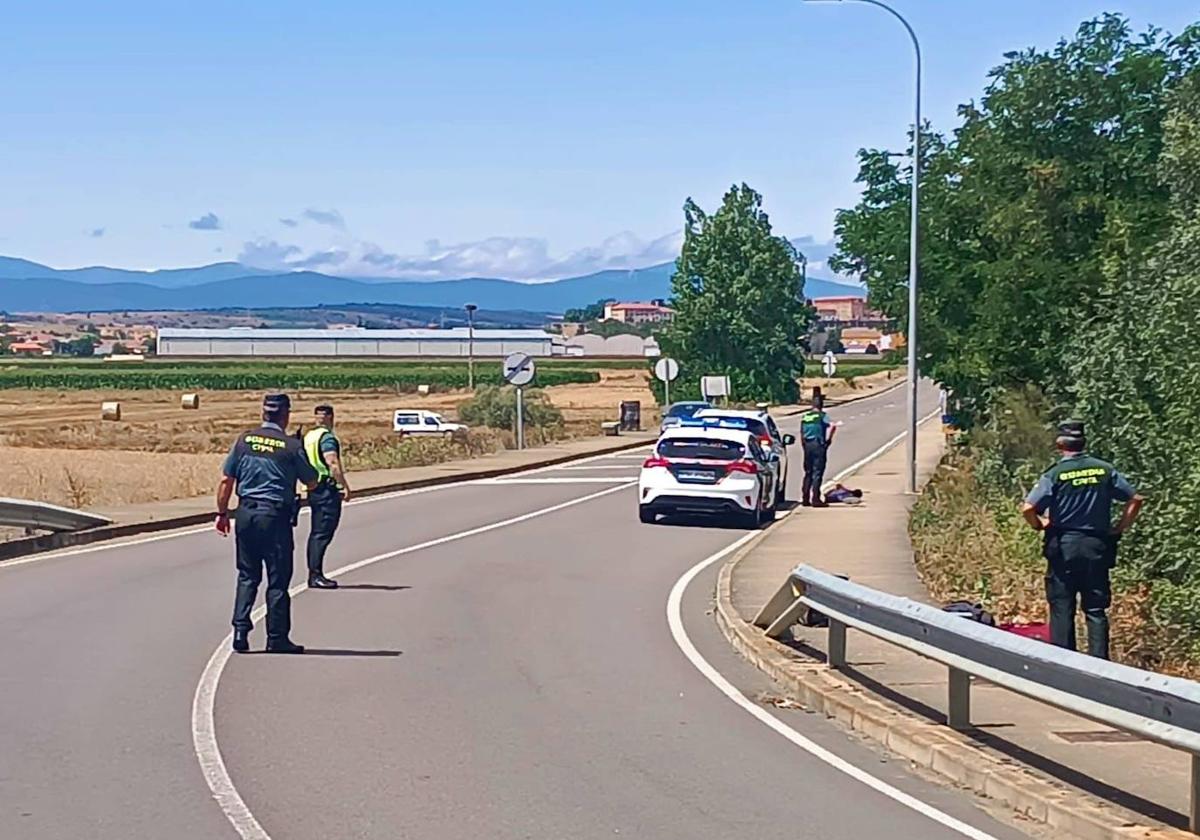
<point x="511" y="258"/>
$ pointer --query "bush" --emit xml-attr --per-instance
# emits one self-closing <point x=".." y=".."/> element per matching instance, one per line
<point x="497" y="408"/>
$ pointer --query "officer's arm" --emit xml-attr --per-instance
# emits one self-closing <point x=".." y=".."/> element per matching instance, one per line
<point x="334" y="460"/>
<point x="1031" y="516"/>
<point x="1035" y="503"/>
<point x="1130" y="514"/>
<point x="831" y="431"/>
<point x="224" y="494"/>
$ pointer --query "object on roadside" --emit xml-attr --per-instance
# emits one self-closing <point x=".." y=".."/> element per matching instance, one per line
<point x="611" y="428"/>
<point x="189" y="401"/>
<point x="1039" y="630"/>
<point x="812" y="618"/>
<point x="423" y="390"/>
<point x="975" y="612"/>
<point x="631" y="416"/>
<point x="843" y="495"/>
<point x="110" y="411"/>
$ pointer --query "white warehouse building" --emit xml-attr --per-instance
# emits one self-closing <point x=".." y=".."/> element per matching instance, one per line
<point x="355" y="342"/>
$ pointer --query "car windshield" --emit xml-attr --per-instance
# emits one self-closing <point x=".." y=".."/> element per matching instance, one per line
<point x="754" y="427"/>
<point x="685" y="410"/>
<point x="708" y="449"/>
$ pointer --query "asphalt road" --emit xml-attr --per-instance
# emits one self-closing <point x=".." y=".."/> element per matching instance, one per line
<point x="501" y="668"/>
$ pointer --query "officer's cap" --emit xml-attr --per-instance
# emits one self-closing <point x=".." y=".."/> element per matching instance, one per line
<point x="276" y="402"/>
<point x="1071" y="428"/>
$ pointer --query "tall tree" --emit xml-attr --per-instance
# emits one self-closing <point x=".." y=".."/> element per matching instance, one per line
<point x="739" y="302"/>
<point x="1048" y="186"/>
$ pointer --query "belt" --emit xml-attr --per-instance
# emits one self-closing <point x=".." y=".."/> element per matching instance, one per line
<point x="263" y="504"/>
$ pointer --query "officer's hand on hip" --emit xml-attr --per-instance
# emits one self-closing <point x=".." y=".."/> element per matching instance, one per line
<point x="222" y="524"/>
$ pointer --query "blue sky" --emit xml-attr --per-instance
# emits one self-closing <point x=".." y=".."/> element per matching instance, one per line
<point x="523" y="139"/>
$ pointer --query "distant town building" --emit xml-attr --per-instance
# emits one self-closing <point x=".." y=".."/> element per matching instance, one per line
<point x="849" y="311"/>
<point x="354" y="341"/>
<point x="655" y="312"/>
<point x="26" y="348"/>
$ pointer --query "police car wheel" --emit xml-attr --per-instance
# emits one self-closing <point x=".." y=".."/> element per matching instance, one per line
<point x="647" y="516"/>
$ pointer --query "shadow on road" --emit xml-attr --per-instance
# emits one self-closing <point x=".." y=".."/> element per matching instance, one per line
<point x="343" y="652"/>
<point x="373" y="587"/>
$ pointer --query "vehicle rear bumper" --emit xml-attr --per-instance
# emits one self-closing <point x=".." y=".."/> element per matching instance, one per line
<point x="703" y="505"/>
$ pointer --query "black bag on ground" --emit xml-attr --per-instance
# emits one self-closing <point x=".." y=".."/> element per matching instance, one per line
<point x="975" y="612"/>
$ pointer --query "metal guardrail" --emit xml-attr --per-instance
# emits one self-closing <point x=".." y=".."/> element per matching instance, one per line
<point x="1154" y="706"/>
<point x="22" y="513"/>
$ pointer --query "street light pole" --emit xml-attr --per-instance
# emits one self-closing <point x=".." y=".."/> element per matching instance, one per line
<point x="913" y="245"/>
<point x="470" y="307"/>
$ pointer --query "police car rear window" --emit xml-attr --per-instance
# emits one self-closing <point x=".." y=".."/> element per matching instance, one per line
<point x="701" y="448"/>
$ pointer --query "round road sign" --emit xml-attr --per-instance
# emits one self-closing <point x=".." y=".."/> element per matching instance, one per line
<point x="829" y="364"/>
<point x="666" y="370"/>
<point x="518" y="369"/>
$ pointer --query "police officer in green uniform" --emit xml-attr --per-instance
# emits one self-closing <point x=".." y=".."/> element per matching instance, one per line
<point x="324" y="453"/>
<point x="816" y="434"/>
<point x="264" y="465"/>
<point x="1080" y="540"/>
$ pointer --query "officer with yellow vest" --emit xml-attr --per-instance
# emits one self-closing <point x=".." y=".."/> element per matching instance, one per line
<point x="324" y="452"/>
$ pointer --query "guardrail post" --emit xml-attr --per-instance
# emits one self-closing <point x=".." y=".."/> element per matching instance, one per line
<point x="1194" y="815"/>
<point x="958" y="715"/>
<point x="837" y="644"/>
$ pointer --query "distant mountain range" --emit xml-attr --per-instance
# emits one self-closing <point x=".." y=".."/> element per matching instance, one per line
<point x="30" y="287"/>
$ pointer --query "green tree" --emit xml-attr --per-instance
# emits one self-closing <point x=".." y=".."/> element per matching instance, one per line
<point x="592" y="312"/>
<point x="739" y="302"/>
<point x="1029" y="210"/>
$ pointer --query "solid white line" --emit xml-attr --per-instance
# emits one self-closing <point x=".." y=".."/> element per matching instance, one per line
<point x="577" y="480"/>
<point x="684" y="642"/>
<point x="599" y="467"/>
<point x="204" y="735"/>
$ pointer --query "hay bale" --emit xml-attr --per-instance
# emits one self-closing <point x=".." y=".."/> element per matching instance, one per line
<point x="110" y="411"/>
<point x="423" y="390"/>
<point x="190" y="401"/>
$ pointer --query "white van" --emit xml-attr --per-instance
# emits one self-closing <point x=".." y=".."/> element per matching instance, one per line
<point x="418" y="422"/>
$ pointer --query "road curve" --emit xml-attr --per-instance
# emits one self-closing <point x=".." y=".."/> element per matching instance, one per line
<point x="515" y="677"/>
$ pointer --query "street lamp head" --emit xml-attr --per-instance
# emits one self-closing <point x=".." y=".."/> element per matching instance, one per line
<point x="470" y="307"/>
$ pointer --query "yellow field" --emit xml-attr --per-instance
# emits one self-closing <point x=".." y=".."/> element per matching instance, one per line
<point x="58" y="450"/>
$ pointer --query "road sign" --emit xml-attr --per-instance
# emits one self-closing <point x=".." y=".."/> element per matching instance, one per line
<point x="829" y="363"/>
<point x="714" y="386"/>
<point x="666" y="369"/>
<point x="518" y="369"/>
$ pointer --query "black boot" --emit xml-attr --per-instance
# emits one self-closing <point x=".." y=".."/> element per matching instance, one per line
<point x="283" y="646"/>
<point x="316" y="580"/>
<point x="241" y="641"/>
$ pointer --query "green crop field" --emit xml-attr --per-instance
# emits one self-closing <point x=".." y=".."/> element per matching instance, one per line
<point x="260" y="375"/>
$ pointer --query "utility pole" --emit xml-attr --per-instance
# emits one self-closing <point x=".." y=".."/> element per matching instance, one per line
<point x="913" y="244"/>
<point x="470" y="307"/>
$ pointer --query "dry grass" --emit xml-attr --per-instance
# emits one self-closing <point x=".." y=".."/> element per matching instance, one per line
<point x="58" y="450"/>
<point x="968" y="546"/>
<point x="106" y="478"/>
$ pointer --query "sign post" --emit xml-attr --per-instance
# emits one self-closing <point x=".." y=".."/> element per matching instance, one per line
<point x="666" y="370"/>
<point x="518" y="372"/>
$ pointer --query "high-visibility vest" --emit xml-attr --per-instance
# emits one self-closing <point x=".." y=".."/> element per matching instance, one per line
<point x="312" y="449"/>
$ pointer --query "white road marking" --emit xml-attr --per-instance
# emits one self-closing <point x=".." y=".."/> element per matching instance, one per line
<point x="684" y="642"/>
<point x="109" y="545"/>
<point x="583" y="479"/>
<point x="598" y="467"/>
<point x="204" y="734"/>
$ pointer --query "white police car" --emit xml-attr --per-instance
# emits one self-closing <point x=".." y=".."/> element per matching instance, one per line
<point x="708" y="469"/>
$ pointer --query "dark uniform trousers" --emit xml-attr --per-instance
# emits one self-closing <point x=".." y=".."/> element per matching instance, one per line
<point x="1078" y="564"/>
<point x="326" y="505"/>
<point x="814" y="470"/>
<point x="263" y="532"/>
